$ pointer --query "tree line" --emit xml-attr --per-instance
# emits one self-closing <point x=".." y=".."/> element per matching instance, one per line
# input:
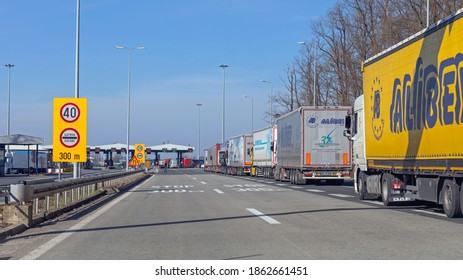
<point x="351" y="32"/>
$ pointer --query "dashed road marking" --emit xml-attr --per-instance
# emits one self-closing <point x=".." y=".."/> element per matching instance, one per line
<point x="430" y="213"/>
<point x="315" y="191"/>
<point x="341" y="195"/>
<point x="263" y="217"/>
<point x="218" y="191"/>
<point x="374" y="202"/>
<point x="204" y="183"/>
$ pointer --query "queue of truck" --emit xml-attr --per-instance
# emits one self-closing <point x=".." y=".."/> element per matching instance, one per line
<point x="400" y="141"/>
<point x="305" y="146"/>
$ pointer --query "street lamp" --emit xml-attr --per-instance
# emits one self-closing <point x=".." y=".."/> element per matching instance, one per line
<point x="128" y="100"/>
<point x="199" y="129"/>
<point x="271" y="99"/>
<point x="314" y="69"/>
<point x="9" y="96"/>
<point x="252" y="112"/>
<point x="223" y="66"/>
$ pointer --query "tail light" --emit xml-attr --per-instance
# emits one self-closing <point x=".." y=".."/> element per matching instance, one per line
<point x="397" y="185"/>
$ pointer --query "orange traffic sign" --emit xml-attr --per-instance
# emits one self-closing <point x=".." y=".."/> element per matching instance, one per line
<point x="134" y="162"/>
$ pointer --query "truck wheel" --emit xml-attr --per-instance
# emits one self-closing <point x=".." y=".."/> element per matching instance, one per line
<point x="451" y="201"/>
<point x="361" y="183"/>
<point x="386" y="182"/>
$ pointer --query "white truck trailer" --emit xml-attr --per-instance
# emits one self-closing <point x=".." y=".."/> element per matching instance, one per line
<point x="25" y="162"/>
<point x="263" y="156"/>
<point x="311" y="146"/>
<point x="239" y="155"/>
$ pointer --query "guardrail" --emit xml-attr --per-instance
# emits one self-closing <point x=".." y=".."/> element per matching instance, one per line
<point x="35" y="201"/>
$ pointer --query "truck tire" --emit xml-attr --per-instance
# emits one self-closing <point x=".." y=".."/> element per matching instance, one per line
<point x="386" y="183"/>
<point x="362" y="187"/>
<point x="451" y="201"/>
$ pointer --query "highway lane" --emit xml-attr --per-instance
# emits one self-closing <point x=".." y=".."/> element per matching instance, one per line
<point x="188" y="214"/>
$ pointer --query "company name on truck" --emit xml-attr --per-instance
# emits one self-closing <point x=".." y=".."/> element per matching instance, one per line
<point x="312" y="121"/>
<point x="430" y="96"/>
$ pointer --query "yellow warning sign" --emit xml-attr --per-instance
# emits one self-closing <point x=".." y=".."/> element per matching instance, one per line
<point x="134" y="162"/>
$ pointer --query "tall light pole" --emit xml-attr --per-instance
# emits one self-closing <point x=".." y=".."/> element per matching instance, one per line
<point x="9" y="97"/>
<point x="271" y="99"/>
<point x="252" y="112"/>
<point x="128" y="100"/>
<point x="314" y="70"/>
<point x="199" y="129"/>
<point x="76" y="170"/>
<point x="223" y="66"/>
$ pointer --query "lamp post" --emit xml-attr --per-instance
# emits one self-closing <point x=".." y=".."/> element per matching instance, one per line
<point x="271" y="99"/>
<point x="199" y="129"/>
<point x="223" y="66"/>
<point x="9" y="96"/>
<point x="128" y="100"/>
<point x="252" y="112"/>
<point x="314" y="70"/>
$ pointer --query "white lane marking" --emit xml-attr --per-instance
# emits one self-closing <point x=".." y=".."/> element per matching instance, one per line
<point x="263" y="217"/>
<point x="204" y="183"/>
<point x="194" y="178"/>
<point x="430" y="213"/>
<point x="374" y="202"/>
<point x="282" y="185"/>
<point x="315" y="190"/>
<point x="218" y="191"/>
<point x="35" y="254"/>
<point x="296" y="187"/>
<point x="341" y="195"/>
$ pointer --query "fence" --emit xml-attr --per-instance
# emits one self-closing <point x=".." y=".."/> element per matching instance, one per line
<point x="35" y="201"/>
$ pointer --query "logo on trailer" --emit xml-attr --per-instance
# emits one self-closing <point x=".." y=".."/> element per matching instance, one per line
<point x="377" y="122"/>
<point x="312" y="121"/>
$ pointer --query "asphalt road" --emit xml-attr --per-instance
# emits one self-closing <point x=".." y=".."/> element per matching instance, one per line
<point x="189" y="214"/>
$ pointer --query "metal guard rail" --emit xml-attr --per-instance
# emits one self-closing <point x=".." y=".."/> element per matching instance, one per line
<point x="35" y="201"/>
<point x="47" y="189"/>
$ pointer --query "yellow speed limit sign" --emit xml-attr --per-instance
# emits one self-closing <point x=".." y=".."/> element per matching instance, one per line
<point x="140" y="152"/>
<point x="70" y="129"/>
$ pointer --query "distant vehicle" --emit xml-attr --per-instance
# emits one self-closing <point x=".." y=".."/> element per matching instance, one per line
<point x="173" y="163"/>
<point x="311" y="146"/>
<point x="188" y="163"/>
<point x="214" y="158"/>
<point x="239" y="155"/>
<point x="24" y="162"/>
<point x="264" y="152"/>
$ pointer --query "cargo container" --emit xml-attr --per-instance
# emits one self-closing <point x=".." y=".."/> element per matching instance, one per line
<point x="311" y="146"/>
<point x="214" y="158"/>
<point x="263" y="153"/>
<point x="407" y="126"/>
<point x="239" y="150"/>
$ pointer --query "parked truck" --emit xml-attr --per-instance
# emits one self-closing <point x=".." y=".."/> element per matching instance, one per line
<point x="214" y="158"/>
<point x="239" y="151"/>
<point x="407" y="128"/>
<point x="26" y="162"/>
<point x="263" y="155"/>
<point x="311" y="146"/>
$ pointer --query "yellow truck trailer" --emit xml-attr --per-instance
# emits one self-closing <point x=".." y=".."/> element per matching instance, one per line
<point x="407" y="127"/>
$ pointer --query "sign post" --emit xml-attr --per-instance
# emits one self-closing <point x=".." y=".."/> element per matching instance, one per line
<point x="70" y="129"/>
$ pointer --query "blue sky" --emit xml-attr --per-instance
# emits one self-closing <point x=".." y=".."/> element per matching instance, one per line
<point x="185" y="42"/>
